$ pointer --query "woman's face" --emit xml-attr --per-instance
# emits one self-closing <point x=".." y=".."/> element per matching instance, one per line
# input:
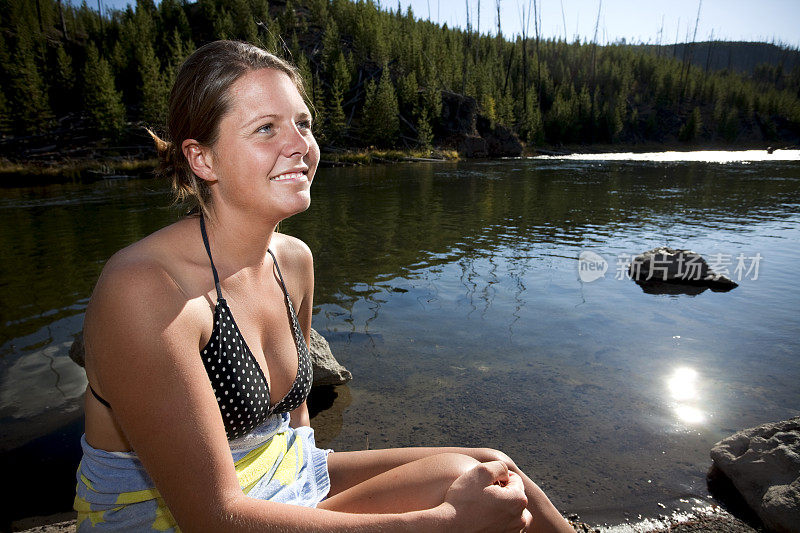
<point x="265" y="156"/>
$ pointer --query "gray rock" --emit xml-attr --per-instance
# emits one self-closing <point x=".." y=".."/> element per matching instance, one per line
<point x="668" y="265"/>
<point x="763" y="463"/>
<point x="327" y="370"/>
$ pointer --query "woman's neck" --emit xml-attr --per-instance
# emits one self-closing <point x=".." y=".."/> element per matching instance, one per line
<point x="238" y="243"/>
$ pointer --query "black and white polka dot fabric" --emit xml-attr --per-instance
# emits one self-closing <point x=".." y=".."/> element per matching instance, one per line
<point x="237" y="380"/>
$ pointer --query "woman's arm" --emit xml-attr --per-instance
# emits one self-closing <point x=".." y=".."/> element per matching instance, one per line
<point x="297" y="255"/>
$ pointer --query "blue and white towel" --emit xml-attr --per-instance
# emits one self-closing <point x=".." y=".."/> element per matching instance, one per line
<point x="274" y="462"/>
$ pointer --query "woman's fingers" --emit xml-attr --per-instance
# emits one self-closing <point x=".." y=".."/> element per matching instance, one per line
<point x="492" y="473"/>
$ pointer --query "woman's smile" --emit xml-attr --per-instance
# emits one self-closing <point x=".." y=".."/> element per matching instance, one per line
<point x="291" y="176"/>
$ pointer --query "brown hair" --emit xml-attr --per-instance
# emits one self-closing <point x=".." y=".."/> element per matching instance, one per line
<point x="198" y="100"/>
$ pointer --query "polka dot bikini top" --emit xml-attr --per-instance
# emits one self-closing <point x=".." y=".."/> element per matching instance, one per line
<point x="239" y="384"/>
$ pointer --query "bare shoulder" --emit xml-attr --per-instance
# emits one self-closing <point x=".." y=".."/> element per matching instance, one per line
<point x="138" y="297"/>
<point x="292" y="253"/>
<point x="143" y="270"/>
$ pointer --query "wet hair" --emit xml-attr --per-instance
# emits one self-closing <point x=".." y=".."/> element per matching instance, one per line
<point x="198" y="100"/>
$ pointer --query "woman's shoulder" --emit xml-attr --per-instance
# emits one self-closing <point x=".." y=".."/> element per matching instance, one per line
<point x="157" y="261"/>
<point x="154" y="276"/>
<point x="291" y="252"/>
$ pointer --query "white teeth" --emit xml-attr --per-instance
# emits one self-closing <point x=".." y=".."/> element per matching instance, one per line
<point x="289" y="176"/>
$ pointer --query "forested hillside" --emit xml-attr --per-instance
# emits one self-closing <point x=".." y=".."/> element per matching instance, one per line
<point x="739" y="56"/>
<point x="376" y="77"/>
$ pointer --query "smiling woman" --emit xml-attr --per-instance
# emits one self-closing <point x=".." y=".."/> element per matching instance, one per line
<point x="196" y="349"/>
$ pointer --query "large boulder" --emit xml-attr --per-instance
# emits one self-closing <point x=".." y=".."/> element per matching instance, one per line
<point x="473" y="134"/>
<point x="473" y="146"/>
<point x="458" y="114"/>
<point x="667" y="265"/>
<point x="500" y="140"/>
<point x="327" y="370"/>
<point x="763" y="463"/>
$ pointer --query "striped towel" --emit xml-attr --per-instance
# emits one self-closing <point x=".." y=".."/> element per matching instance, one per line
<point x="274" y="462"/>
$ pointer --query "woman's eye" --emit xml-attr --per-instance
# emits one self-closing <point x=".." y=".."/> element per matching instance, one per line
<point x="266" y="128"/>
<point x="304" y="124"/>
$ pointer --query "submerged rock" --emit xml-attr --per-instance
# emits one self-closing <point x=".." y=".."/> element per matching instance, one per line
<point x="327" y="370"/>
<point x="667" y="265"/>
<point x="763" y="463"/>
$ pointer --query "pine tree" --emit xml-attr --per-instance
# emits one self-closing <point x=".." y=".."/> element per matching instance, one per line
<point x="242" y="19"/>
<point x="330" y="44"/>
<point x="336" y="122"/>
<point x="408" y="94"/>
<point x="690" y="130"/>
<point x="424" y="131"/>
<point x="530" y="124"/>
<point x="62" y="97"/>
<point x="28" y="91"/>
<point x="101" y="101"/>
<point x="154" y="88"/>
<point x="5" y="122"/>
<point x="380" y="123"/>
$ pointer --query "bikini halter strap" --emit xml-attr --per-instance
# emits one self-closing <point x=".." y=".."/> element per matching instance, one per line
<point x="208" y="250"/>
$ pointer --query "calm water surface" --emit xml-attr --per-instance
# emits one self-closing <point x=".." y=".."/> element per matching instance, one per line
<point x="452" y="293"/>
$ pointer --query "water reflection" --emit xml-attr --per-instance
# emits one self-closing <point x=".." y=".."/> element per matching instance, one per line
<point x="683" y="389"/>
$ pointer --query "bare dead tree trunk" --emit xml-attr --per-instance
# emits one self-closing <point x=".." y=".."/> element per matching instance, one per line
<point x="537" y="25"/>
<point x="525" y="26"/>
<point x="478" y="32"/>
<point x="564" y="21"/>
<point x="39" y="14"/>
<point x="63" y="24"/>
<point x="499" y="32"/>
<point x="508" y="68"/>
<point x="688" y="56"/>
<point x="660" y="37"/>
<point x="466" y="53"/>
<point x="594" y="66"/>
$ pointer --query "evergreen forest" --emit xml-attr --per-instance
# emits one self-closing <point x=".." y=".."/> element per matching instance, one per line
<point x="378" y="76"/>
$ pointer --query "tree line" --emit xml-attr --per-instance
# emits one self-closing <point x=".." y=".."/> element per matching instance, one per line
<point x="375" y="76"/>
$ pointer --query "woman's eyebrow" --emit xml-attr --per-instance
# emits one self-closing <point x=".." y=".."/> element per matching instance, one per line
<point x="261" y="117"/>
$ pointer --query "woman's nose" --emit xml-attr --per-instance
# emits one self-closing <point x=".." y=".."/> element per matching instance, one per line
<point x="296" y="143"/>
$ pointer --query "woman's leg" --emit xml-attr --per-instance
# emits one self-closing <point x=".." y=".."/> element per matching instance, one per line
<point x="412" y="486"/>
<point x="349" y="469"/>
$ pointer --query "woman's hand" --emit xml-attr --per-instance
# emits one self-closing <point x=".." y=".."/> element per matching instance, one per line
<point x="488" y="498"/>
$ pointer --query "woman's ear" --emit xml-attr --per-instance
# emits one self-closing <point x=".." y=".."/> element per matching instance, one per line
<point x="200" y="159"/>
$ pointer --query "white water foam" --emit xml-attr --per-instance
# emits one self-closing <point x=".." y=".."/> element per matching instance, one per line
<point x="707" y="156"/>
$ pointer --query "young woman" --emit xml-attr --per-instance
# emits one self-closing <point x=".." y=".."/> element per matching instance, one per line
<point x="196" y="349"/>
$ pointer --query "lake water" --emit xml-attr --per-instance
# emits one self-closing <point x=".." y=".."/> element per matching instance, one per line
<point x="452" y="293"/>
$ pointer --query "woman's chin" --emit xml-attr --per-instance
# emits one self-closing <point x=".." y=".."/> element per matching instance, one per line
<point x="300" y="203"/>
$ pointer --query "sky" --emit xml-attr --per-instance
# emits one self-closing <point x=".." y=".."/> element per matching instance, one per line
<point x="645" y="21"/>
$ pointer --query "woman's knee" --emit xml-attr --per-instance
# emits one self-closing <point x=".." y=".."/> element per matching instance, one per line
<point x="453" y="465"/>
<point x="485" y="455"/>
